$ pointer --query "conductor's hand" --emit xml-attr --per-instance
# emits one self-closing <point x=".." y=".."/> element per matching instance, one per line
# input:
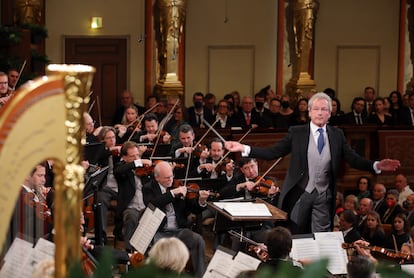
<point x="388" y="165"/>
<point x="233" y="146"/>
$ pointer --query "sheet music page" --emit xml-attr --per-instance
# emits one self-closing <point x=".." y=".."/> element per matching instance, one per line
<point x="46" y="247"/>
<point x="409" y="268"/>
<point x="245" y="209"/>
<point x="148" y="225"/>
<point x="330" y="235"/>
<point x="219" y="264"/>
<point x="17" y="257"/>
<point x="242" y="262"/>
<point x="332" y="249"/>
<point x="304" y="248"/>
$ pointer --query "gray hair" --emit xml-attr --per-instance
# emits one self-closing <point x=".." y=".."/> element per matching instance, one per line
<point x="320" y="95"/>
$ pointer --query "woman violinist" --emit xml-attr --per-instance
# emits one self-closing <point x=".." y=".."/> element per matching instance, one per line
<point x="130" y="124"/>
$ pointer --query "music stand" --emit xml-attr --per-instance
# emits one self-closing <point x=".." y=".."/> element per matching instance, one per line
<point x="93" y="151"/>
<point x="93" y="184"/>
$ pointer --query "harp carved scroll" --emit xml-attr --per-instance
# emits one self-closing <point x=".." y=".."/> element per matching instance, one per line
<point x="44" y="121"/>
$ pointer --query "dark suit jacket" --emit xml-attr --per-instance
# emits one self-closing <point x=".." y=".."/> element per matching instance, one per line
<point x="125" y="177"/>
<point x="349" y="118"/>
<point x="240" y="120"/>
<point x="296" y="143"/>
<point x="183" y="207"/>
<point x="352" y="235"/>
<point x="192" y="120"/>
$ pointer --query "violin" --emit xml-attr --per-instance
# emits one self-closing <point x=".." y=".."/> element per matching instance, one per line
<point x="259" y="249"/>
<point x="42" y="210"/>
<point x="192" y="189"/>
<point x="263" y="185"/>
<point x="137" y="260"/>
<point x="199" y="149"/>
<point x="221" y="166"/>
<point x="383" y="252"/>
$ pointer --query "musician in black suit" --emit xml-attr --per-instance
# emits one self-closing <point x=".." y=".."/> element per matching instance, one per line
<point x="347" y="221"/>
<point x="130" y="201"/>
<point x="317" y="150"/>
<point x="177" y="207"/>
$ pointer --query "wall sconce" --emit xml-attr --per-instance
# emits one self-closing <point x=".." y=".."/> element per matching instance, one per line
<point x="96" y="22"/>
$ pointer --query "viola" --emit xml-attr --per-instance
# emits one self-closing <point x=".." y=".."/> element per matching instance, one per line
<point x="383" y="252"/>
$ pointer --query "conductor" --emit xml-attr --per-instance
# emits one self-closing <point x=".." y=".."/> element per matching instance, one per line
<point x="308" y="193"/>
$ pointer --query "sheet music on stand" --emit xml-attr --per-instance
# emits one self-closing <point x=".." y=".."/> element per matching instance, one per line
<point x="226" y="263"/>
<point x="148" y="225"/>
<point x="324" y="245"/>
<point x="244" y="208"/>
<point x="22" y="258"/>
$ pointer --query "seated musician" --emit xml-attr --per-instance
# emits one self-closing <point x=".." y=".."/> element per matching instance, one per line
<point x="248" y="186"/>
<point x="4" y="92"/>
<point x="150" y="132"/>
<point x="277" y="248"/>
<point x="109" y="191"/>
<point x="177" y="207"/>
<point x="130" y="201"/>
<point x="183" y="149"/>
<point x="33" y="214"/>
<point x="129" y="125"/>
<point x="91" y="131"/>
<point x="207" y="164"/>
<point x="347" y="223"/>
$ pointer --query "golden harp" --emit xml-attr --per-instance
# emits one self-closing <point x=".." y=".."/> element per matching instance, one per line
<point x="44" y="120"/>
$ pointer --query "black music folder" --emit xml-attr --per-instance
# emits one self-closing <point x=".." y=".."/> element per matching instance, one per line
<point x="95" y="182"/>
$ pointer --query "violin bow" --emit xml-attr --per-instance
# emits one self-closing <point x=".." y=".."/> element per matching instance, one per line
<point x="215" y="131"/>
<point x="161" y="126"/>
<point x="205" y="133"/>
<point x="241" y="139"/>
<point x="99" y="110"/>
<point x="91" y="106"/>
<point x="242" y="237"/>
<point x="270" y="169"/>
<point x="20" y="73"/>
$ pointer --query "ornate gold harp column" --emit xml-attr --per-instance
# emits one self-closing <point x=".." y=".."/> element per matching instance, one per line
<point x="169" y="19"/>
<point x="300" y="22"/>
<point x="44" y="121"/>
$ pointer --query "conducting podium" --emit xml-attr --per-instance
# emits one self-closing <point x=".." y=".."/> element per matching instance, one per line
<point x="244" y="214"/>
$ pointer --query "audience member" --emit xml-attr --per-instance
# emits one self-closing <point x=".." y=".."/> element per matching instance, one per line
<point x="4" y="93"/>
<point x="403" y="188"/>
<point x="126" y="101"/>
<point x="169" y="254"/>
<point x="356" y="116"/>
<point x="339" y="203"/>
<point x="378" y="115"/>
<point x="393" y="209"/>
<point x="378" y="197"/>
<point x="369" y="95"/>
<point x="363" y="188"/>
<point x="300" y="114"/>
<point x="365" y="206"/>
<point x="198" y="112"/>
<point x="247" y="117"/>
<point x="373" y="231"/>
<point x="337" y="114"/>
<point x="351" y="203"/>
<point x="400" y="233"/>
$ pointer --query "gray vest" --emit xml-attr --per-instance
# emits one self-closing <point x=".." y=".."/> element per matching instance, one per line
<point x="319" y="166"/>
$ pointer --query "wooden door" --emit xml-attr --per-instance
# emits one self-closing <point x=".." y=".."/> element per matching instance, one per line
<point x="109" y="57"/>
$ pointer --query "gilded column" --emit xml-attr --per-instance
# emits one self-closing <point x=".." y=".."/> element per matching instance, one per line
<point x="77" y="80"/>
<point x="301" y="18"/>
<point x="169" y="20"/>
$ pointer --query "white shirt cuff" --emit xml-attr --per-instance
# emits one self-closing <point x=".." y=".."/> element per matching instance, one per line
<point x="377" y="171"/>
<point x="138" y="163"/>
<point x="246" y="151"/>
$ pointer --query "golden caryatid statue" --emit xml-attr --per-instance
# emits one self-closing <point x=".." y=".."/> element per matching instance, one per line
<point x="301" y="18"/>
<point x="28" y="11"/>
<point x="169" y="18"/>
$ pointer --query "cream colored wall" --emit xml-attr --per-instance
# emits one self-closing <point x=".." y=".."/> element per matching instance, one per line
<point x="356" y="42"/>
<point x="237" y="55"/>
<point x="357" y="46"/>
<point x="120" y="18"/>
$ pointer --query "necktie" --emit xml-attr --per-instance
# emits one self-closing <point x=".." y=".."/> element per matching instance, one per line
<point x="248" y="119"/>
<point x="321" y="140"/>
